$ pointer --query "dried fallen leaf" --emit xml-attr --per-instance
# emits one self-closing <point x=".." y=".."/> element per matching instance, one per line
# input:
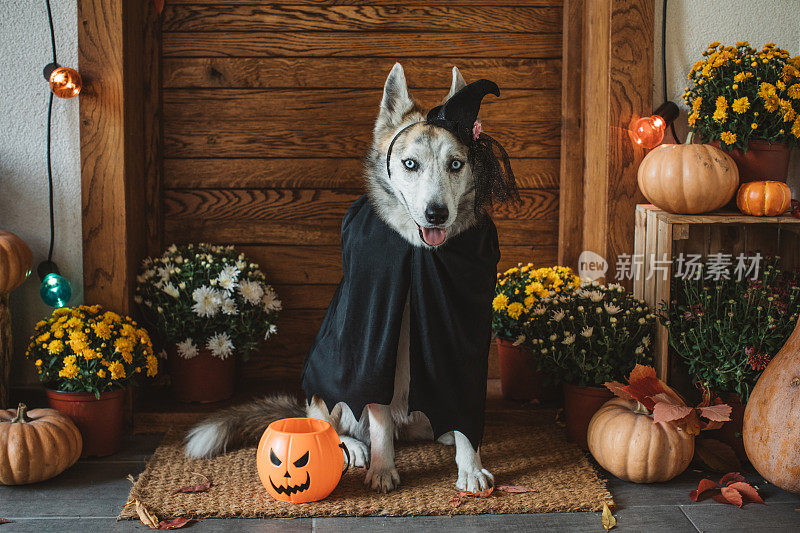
<point x="716" y="456"/>
<point x="608" y="519"/>
<point x="202" y="487"/>
<point x="515" y="489"/>
<point x="729" y="495"/>
<point x="6" y="521"/>
<point x="717" y="413"/>
<point x="668" y="412"/>
<point x="749" y="493"/>
<point x="175" y="523"/>
<point x="731" y="477"/>
<point x="703" y="488"/>
<point x="456" y="500"/>
<point x="462" y="496"/>
<point x="147" y="518"/>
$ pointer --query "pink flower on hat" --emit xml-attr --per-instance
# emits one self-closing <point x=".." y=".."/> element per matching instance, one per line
<point x="476" y="130"/>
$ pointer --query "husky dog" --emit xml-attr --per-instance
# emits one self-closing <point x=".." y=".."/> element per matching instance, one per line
<point x="426" y="207"/>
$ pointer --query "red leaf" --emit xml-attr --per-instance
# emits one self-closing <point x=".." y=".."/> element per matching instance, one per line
<point x="202" y="487"/>
<point x="6" y="521"/>
<point x="478" y="493"/>
<point x="175" y="523"/>
<point x="456" y="500"/>
<point x="717" y="413"/>
<point x="728" y="495"/>
<point x="618" y="389"/>
<point x="667" y="412"/>
<point x="159" y="5"/>
<point x="515" y="489"/>
<point x="643" y="384"/>
<point x="748" y="492"/>
<point x="731" y="477"/>
<point x="704" y="486"/>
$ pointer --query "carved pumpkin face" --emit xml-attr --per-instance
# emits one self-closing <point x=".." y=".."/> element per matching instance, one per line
<point x="299" y="459"/>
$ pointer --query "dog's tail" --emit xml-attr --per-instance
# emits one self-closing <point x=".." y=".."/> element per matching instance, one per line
<point x="240" y="425"/>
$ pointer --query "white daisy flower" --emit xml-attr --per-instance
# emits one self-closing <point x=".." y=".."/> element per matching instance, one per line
<point x="163" y="272"/>
<point x="172" y="249"/>
<point x="227" y="278"/>
<point x="207" y="301"/>
<point x="241" y="264"/>
<point x="171" y="290"/>
<point x="553" y="337"/>
<point x="228" y="306"/>
<point x="559" y="315"/>
<point x="539" y="310"/>
<point x="137" y="299"/>
<point x="639" y="350"/>
<point x="187" y="348"/>
<point x="271" y="330"/>
<point x="611" y="309"/>
<point x="587" y="331"/>
<point x="220" y="345"/>
<point x="251" y="291"/>
<point x="569" y="339"/>
<point x="519" y="340"/>
<point x="646" y="341"/>
<point x="270" y="300"/>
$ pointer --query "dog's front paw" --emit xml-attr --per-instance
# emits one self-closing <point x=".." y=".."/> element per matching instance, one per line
<point x="359" y="454"/>
<point x="382" y="479"/>
<point x="474" y="480"/>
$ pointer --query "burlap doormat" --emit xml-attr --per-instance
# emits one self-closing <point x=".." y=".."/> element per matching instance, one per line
<point x="537" y="456"/>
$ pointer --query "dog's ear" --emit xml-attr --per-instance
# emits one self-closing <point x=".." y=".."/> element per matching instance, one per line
<point x="396" y="101"/>
<point x="457" y="84"/>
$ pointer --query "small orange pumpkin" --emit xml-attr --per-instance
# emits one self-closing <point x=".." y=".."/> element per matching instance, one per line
<point x="624" y="440"/>
<point x="764" y="198"/>
<point x="300" y="459"/>
<point x="15" y="261"/>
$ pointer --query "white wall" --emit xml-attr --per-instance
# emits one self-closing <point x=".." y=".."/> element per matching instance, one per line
<point x="24" y="51"/>
<point x="692" y="24"/>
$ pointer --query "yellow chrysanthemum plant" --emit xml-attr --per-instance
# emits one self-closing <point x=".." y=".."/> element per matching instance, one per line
<point x="88" y="349"/>
<point x="517" y="292"/>
<point x="737" y="94"/>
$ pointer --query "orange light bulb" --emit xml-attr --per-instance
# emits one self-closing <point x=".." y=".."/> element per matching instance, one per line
<point x="648" y="132"/>
<point x="65" y="82"/>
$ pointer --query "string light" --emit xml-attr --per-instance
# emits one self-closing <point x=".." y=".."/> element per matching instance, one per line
<point x="65" y="82"/>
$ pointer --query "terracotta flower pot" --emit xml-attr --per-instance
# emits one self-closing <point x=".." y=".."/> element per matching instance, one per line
<point x="204" y="378"/>
<point x="762" y="161"/>
<point x="731" y="432"/>
<point x="580" y="405"/>
<point x="518" y="380"/>
<point x="99" y="420"/>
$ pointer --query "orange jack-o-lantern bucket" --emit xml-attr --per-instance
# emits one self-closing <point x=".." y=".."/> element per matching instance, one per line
<point x="300" y="459"/>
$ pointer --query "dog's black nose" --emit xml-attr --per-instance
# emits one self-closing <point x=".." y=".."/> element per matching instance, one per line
<point x="436" y="213"/>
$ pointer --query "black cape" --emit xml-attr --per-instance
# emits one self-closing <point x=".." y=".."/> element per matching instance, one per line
<point x="451" y="287"/>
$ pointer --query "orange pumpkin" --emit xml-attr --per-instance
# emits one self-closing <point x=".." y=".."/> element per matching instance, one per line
<point x="772" y="419"/>
<point x="688" y="178"/>
<point x="36" y="445"/>
<point x="300" y="459"/>
<point x="764" y="198"/>
<point x="624" y="440"/>
<point x="15" y="261"/>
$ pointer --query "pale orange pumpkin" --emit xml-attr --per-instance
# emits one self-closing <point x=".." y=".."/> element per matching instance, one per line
<point x="36" y="445"/>
<point x="15" y="261"/>
<point x="764" y="198"/>
<point x="625" y="441"/>
<point x="688" y="178"/>
<point x="772" y="419"/>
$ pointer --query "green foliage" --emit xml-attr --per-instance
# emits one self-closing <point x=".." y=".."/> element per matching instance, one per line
<point x="727" y="330"/>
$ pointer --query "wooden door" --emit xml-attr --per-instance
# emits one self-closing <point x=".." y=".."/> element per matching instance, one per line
<point x="268" y="109"/>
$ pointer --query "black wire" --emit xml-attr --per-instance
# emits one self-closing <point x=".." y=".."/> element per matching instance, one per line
<point x="49" y="128"/>
<point x="664" y="61"/>
<point x="52" y="31"/>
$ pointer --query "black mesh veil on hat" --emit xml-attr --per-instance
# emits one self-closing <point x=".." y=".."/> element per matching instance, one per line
<point x="494" y="179"/>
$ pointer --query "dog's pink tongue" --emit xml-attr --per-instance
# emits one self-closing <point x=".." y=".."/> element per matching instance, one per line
<point x="433" y="236"/>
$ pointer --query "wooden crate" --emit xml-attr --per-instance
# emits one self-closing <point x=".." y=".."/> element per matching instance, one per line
<point x="662" y="237"/>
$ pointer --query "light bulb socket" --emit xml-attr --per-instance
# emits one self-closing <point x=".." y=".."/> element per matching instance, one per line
<point x="48" y="70"/>
<point x="668" y="111"/>
<point x="45" y="268"/>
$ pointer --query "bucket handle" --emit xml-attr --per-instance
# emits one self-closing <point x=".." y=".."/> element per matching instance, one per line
<point x="347" y="454"/>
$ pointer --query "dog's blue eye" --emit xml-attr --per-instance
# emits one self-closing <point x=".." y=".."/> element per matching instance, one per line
<point x="456" y="165"/>
<point x="410" y="164"/>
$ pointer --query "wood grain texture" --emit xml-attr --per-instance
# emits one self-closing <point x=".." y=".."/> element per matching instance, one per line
<point x="322" y="232"/>
<point x="351" y="108"/>
<point x="315" y="205"/>
<point x="570" y="214"/>
<point x="332" y="44"/>
<point x="152" y="129"/>
<point x="245" y="139"/>
<point x="396" y="18"/>
<point x="553" y="3"/>
<point x="361" y="72"/>
<point x="304" y="173"/>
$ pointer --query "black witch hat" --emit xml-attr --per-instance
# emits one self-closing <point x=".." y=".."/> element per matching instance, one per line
<point x="494" y="179"/>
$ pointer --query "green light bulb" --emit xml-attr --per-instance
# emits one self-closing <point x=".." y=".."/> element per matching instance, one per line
<point x="55" y="290"/>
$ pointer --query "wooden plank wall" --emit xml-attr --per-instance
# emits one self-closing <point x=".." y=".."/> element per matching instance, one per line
<point x="268" y="108"/>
